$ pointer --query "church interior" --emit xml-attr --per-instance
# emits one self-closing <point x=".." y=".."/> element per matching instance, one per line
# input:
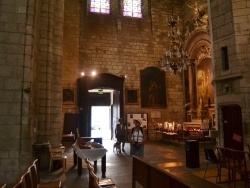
<point x="181" y="67"/>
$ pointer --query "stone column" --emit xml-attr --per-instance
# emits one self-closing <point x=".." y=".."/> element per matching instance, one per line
<point x="192" y="88"/>
<point x="50" y="72"/>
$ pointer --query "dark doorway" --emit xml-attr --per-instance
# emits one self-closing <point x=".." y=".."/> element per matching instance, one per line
<point x="232" y="127"/>
<point x="86" y="100"/>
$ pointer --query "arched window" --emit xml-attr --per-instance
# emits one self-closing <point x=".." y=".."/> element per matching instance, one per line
<point x="100" y="6"/>
<point x="132" y="8"/>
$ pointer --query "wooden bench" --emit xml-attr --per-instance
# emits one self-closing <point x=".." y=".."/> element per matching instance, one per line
<point x="150" y="176"/>
<point x="31" y="177"/>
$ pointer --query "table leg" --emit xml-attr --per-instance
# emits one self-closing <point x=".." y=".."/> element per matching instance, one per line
<point x="79" y="166"/>
<point x="104" y="166"/>
<point x="75" y="158"/>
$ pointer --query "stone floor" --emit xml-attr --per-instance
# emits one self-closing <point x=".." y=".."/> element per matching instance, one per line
<point x="169" y="157"/>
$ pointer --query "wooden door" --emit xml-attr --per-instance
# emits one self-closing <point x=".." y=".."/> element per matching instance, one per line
<point x="232" y="127"/>
<point x="115" y="115"/>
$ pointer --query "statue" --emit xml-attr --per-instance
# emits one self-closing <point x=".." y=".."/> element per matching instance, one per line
<point x="200" y="15"/>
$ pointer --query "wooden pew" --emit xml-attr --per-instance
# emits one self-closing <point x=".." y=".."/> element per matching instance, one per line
<point x="150" y="176"/>
<point x="4" y="186"/>
<point x="31" y="178"/>
<point x="36" y="178"/>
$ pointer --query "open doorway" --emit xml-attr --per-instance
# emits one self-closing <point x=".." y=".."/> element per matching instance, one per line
<point x="100" y="122"/>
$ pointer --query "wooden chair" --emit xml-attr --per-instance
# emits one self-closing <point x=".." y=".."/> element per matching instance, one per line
<point x="104" y="182"/>
<point x="56" y="155"/>
<point x="26" y="180"/>
<point x="241" y="166"/>
<point x="18" y="185"/>
<point x="225" y="161"/>
<point x="93" y="180"/>
<point x="211" y="158"/>
<point x="36" y="178"/>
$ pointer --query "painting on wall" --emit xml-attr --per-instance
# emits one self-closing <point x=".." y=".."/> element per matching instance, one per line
<point x="68" y="96"/>
<point x="153" y="88"/>
<point x="132" y="96"/>
<point x="205" y="88"/>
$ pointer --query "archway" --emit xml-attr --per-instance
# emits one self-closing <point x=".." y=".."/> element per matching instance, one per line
<point x="198" y="77"/>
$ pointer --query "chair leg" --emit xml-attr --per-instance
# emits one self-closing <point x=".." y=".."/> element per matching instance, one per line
<point x="218" y="175"/>
<point x="50" y="165"/>
<point x="65" y="160"/>
<point x="205" y="171"/>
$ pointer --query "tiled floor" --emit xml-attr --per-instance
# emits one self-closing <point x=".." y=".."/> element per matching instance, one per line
<point x="170" y="157"/>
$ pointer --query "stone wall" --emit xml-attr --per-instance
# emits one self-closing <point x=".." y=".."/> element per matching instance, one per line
<point x="230" y="26"/>
<point x="121" y="46"/>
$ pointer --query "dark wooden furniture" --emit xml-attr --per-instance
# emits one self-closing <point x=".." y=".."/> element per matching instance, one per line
<point x="150" y="176"/>
<point x="57" y="155"/>
<point x="225" y="162"/>
<point x="211" y="158"/>
<point x="31" y="178"/>
<point x="35" y="174"/>
<point x="93" y="179"/>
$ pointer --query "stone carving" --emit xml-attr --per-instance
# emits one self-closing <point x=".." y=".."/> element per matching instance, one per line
<point x="200" y="15"/>
<point x="204" y="52"/>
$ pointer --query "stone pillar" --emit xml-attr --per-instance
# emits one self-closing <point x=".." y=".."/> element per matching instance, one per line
<point x="50" y="72"/>
<point x="192" y="89"/>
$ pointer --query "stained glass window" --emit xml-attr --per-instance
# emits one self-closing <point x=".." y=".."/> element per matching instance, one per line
<point x="100" y="6"/>
<point x="132" y="8"/>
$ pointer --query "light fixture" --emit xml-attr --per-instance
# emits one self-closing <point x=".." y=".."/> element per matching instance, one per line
<point x="175" y="58"/>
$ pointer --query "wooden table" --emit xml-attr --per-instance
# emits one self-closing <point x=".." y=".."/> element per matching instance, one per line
<point x="78" y="160"/>
<point x="168" y="136"/>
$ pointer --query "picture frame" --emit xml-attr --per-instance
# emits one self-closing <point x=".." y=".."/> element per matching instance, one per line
<point x="153" y="88"/>
<point x="132" y="96"/>
<point x="69" y="96"/>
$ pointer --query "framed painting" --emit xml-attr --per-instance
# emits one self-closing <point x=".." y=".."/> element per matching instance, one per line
<point x="132" y="96"/>
<point x="69" y="96"/>
<point x="153" y="88"/>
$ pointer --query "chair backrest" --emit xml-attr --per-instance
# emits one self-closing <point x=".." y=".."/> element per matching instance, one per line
<point x="210" y="155"/>
<point x="225" y="157"/>
<point x="87" y="160"/>
<point x="90" y="167"/>
<point x="26" y="179"/>
<point x="18" y="185"/>
<point x="92" y="177"/>
<point x="34" y="175"/>
<point x="36" y="168"/>
<point x="93" y="180"/>
<point x="239" y="161"/>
